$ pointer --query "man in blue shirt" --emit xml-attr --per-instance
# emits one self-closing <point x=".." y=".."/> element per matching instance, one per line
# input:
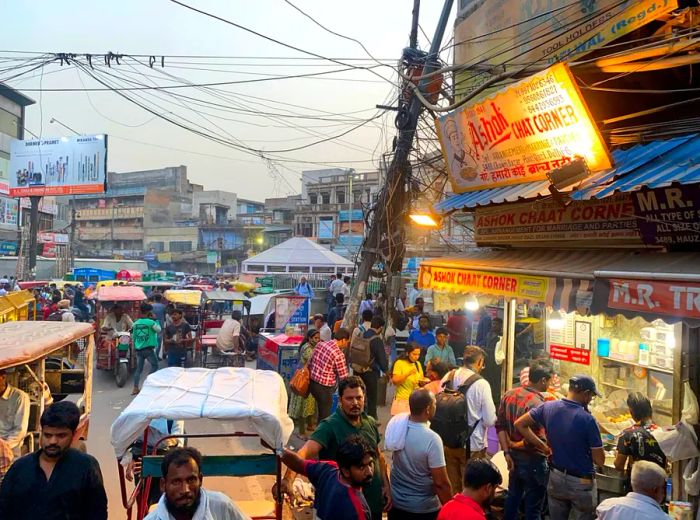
<point x="304" y="289"/>
<point x="575" y="446"/>
<point x="422" y="336"/>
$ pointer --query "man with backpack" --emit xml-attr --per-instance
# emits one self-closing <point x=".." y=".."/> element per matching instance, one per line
<point x="464" y="412"/>
<point x="337" y="313"/>
<point x="62" y="312"/>
<point x="364" y="325"/>
<point x="368" y="360"/>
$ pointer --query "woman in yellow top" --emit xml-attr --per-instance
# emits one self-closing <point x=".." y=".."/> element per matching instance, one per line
<point x="407" y="375"/>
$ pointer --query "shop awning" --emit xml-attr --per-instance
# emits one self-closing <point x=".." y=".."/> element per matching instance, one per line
<point x="654" y="286"/>
<point x="655" y="164"/>
<point x="561" y="279"/>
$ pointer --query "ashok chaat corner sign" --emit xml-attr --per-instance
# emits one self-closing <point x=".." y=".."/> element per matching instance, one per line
<point x="520" y="133"/>
<point x="448" y="279"/>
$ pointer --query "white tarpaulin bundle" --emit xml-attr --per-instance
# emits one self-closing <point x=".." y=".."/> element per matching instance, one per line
<point x="251" y="401"/>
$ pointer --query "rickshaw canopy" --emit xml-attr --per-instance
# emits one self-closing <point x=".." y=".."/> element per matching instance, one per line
<point x="125" y="274"/>
<point x="107" y="283"/>
<point x="225" y="296"/>
<point x="242" y="397"/>
<point x="20" y="298"/>
<point x="26" y="341"/>
<point x="184" y="297"/>
<point x="119" y="293"/>
<point x="154" y="284"/>
<point x="36" y="284"/>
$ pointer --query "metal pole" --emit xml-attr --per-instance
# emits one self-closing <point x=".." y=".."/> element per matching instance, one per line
<point x="350" y="201"/>
<point x="111" y="231"/>
<point x="413" y="40"/>
<point x="33" y="231"/>
<point x="72" y="233"/>
<point x="393" y="197"/>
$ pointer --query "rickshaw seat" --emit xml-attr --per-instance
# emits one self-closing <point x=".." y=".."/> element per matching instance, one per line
<point x="221" y="465"/>
<point x="213" y="324"/>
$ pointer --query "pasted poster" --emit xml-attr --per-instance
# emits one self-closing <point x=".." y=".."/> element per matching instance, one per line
<point x="669" y="216"/>
<point x="61" y="166"/>
<point x="520" y="133"/>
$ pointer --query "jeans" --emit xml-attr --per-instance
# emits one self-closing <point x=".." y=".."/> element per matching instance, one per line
<point x="178" y="358"/>
<point x="569" y="494"/>
<point x="527" y="485"/>
<point x="324" y="398"/>
<point x="371" y="379"/>
<point x="399" y="514"/>
<point x="142" y="355"/>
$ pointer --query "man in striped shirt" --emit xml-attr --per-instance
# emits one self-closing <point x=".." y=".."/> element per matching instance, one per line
<point x="327" y="366"/>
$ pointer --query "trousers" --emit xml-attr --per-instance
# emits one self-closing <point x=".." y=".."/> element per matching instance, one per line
<point x="571" y="495"/>
<point x="142" y="355"/>
<point x="399" y="514"/>
<point x="456" y="461"/>
<point x="324" y="398"/>
<point x="371" y="379"/>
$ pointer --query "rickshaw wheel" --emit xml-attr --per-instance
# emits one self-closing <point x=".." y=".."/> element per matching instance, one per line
<point x="121" y="375"/>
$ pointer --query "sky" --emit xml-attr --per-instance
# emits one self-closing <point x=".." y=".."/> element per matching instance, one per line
<point x="140" y="140"/>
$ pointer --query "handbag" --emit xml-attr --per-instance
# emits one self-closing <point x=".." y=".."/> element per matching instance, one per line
<point x="299" y="384"/>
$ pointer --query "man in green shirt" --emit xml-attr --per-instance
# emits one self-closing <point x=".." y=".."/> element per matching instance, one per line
<point x="441" y="351"/>
<point x="349" y="419"/>
<point x="145" y="337"/>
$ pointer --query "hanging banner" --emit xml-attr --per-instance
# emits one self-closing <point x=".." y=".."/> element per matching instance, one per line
<point x="448" y="279"/>
<point x="291" y="310"/>
<point x="612" y="218"/>
<point x="681" y="299"/>
<point x="61" y="166"/>
<point x="519" y="134"/>
<point x="669" y="216"/>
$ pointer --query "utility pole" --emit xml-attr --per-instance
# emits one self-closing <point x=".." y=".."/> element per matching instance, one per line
<point x="33" y="231"/>
<point x="73" y="214"/>
<point x="386" y="239"/>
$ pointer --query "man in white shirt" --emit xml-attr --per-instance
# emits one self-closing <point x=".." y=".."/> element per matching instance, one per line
<point x="322" y="327"/>
<point x="337" y="286"/>
<point x="413" y="293"/>
<point x="14" y="414"/>
<point x="184" y="498"/>
<point x="480" y="408"/>
<point x="642" y="503"/>
<point x="229" y="337"/>
<point x="116" y="321"/>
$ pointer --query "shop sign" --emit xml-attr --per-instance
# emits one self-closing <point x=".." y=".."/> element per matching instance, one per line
<point x="669" y="216"/>
<point x="52" y="238"/>
<point x="680" y="299"/>
<point x="572" y="354"/>
<point x="8" y="212"/>
<point x="49" y="250"/>
<point x="448" y="279"/>
<point x="58" y="166"/>
<point x="521" y="33"/>
<point x="212" y="257"/>
<point x="8" y="247"/>
<point x="521" y="133"/>
<point x="47" y="205"/>
<point x="609" y="218"/>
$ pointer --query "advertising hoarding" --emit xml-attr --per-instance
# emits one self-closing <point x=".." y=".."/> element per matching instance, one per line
<point x="60" y="166"/>
<point x="8" y="212"/>
<point x="520" y="133"/>
<point x="4" y="176"/>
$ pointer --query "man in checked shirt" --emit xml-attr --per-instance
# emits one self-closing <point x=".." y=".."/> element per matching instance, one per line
<point x="327" y="366"/>
<point x="528" y="467"/>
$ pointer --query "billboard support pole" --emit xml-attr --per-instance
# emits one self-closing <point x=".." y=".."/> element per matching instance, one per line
<point x="33" y="232"/>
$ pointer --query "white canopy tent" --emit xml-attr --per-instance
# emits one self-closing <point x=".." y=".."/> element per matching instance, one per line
<point x="297" y="255"/>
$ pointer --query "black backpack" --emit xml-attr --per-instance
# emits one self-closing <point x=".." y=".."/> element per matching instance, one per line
<point x="55" y="316"/>
<point x="451" y="414"/>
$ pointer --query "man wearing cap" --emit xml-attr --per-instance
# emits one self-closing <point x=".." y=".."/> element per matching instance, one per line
<point x="573" y="441"/>
<point x="14" y="414"/>
<point x="64" y="309"/>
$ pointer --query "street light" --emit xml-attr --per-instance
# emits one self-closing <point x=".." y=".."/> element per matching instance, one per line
<point x="426" y="219"/>
<point x="471" y="303"/>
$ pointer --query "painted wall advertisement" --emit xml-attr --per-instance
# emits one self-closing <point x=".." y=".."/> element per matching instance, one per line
<point x="612" y="218"/>
<point x="521" y="33"/>
<point x="467" y="281"/>
<point x="669" y="216"/>
<point x="520" y="133"/>
<point x="61" y="166"/>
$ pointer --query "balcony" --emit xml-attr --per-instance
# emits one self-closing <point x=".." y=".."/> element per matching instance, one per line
<point x="106" y="233"/>
<point x="116" y="213"/>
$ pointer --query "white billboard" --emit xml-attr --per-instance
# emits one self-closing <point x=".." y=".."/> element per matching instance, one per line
<point x="60" y="166"/>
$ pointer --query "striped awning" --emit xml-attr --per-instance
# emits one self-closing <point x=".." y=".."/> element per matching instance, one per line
<point x="562" y="279"/>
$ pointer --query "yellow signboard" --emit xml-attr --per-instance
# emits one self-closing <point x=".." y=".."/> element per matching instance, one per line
<point x="449" y="279"/>
<point x="520" y="133"/>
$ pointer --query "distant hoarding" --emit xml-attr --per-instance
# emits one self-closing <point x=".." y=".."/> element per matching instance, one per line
<point x="4" y="176"/>
<point x="62" y="166"/>
<point x="8" y="213"/>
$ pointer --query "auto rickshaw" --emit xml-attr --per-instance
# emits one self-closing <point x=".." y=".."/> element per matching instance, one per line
<point x="216" y="307"/>
<point x="24" y="304"/>
<point x="189" y="301"/>
<point x="50" y="361"/>
<point x="247" y="405"/>
<point x="115" y="350"/>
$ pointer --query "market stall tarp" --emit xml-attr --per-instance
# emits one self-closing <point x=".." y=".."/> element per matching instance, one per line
<point x="297" y="252"/>
<point x="250" y="401"/>
<point x="561" y="279"/>
<point x="654" y="286"/>
<point x="26" y="341"/>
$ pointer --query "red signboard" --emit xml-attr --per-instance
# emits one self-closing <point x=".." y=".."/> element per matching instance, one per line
<point x="573" y="354"/>
<point x="681" y="299"/>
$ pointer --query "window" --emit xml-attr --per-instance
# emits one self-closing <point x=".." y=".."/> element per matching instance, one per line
<point x="340" y="196"/>
<point x="357" y="197"/>
<point x="276" y="268"/>
<point x="157" y="247"/>
<point x="306" y="229"/>
<point x="9" y="123"/>
<point x="298" y="269"/>
<point x="256" y="268"/>
<point x="313" y="198"/>
<point x="325" y="198"/>
<point x="180" y="245"/>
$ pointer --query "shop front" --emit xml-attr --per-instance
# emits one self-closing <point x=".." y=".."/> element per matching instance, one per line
<point x="628" y="321"/>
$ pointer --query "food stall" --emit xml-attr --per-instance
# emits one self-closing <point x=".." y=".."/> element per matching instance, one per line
<point x="279" y="349"/>
<point x="629" y="321"/>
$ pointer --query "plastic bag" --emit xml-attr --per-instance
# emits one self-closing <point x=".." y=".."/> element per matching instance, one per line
<point x="691" y="478"/>
<point x="690" y="405"/>
<point x="500" y="352"/>
<point x="679" y="443"/>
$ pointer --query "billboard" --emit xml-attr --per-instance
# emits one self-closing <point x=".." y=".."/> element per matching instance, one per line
<point x="8" y="213"/>
<point x="61" y="166"/>
<point x="4" y="176"/>
<point x="520" y="133"/>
